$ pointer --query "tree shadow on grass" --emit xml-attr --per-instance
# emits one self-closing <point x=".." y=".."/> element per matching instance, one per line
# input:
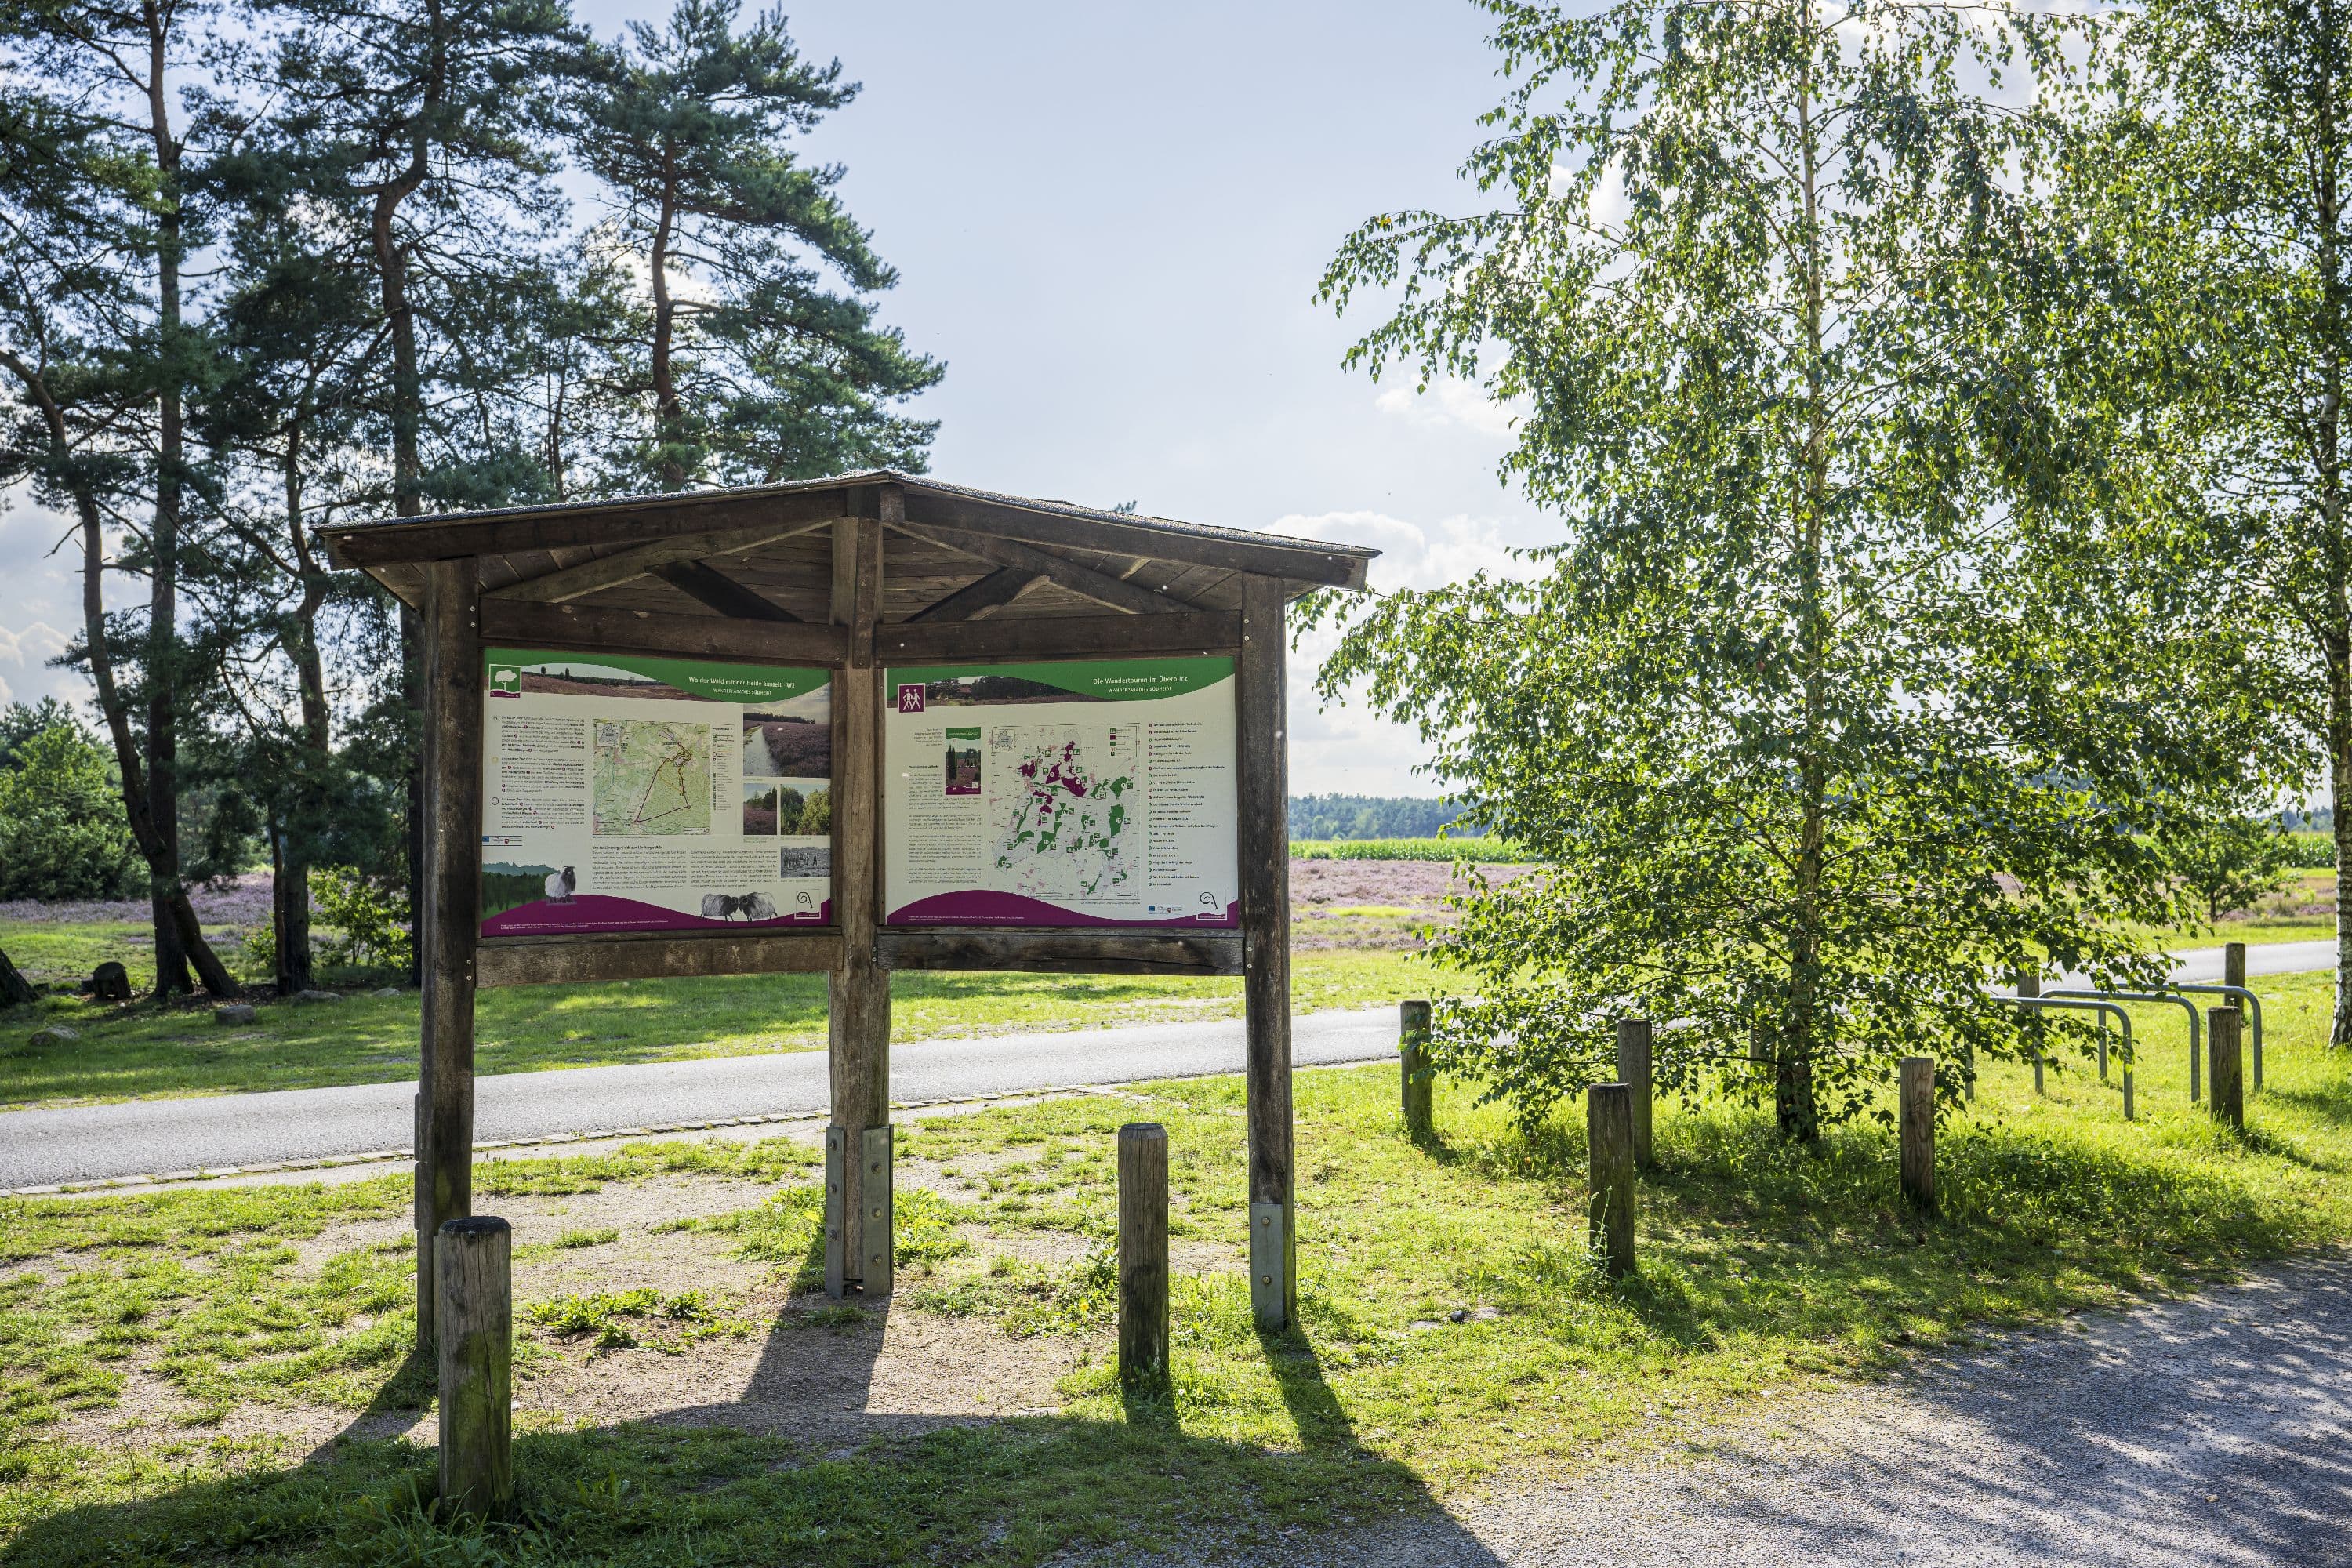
<point x="844" y="1487"/>
<point x="2330" y="1101"/>
<point x="1740" y="1233"/>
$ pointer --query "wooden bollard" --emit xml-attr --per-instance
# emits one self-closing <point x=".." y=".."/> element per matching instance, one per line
<point x="1413" y="1066"/>
<point x="1916" y="1094"/>
<point x="1142" y="1252"/>
<point x="1634" y="1039"/>
<point x="2029" y="984"/>
<point x="473" y="1269"/>
<point x="2225" y="1080"/>
<point x="1609" y="1129"/>
<point x="2233" y="972"/>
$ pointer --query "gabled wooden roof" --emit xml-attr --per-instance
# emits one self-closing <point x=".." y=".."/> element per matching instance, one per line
<point x="764" y="553"/>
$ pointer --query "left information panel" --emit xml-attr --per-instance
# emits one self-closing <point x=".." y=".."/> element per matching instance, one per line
<point x="628" y="794"/>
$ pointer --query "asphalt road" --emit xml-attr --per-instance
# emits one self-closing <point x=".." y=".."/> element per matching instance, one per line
<point x="2192" y="1435"/>
<point x="91" y="1143"/>
<point x="2202" y="965"/>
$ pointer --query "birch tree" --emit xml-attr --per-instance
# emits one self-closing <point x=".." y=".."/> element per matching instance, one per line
<point x="1808" y="771"/>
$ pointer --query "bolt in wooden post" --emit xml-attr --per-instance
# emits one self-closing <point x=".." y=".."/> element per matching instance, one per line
<point x="2226" y="1081"/>
<point x="473" y="1263"/>
<point x="2029" y="984"/>
<point x="1413" y="1066"/>
<point x="1916" y="1096"/>
<point x="1142" y="1253"/>
<point x="1634" y="1042"/>
<point x="1609" y="1129"/>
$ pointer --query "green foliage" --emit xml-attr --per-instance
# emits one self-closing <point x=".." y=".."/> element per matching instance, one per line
<point x="1476" y="850"/>
<point x="373" y="921"/>
<point x="2211" y="337"/>
<point x="2236" y="863"/>
<point x="62" y="833"/>
<point x="816" y="813"/>
<point x="598" y="1236"/>
<point x="753" y="372"/>
<point x="621" y="1320"/>
<point x="2311" y="851"/>
<point x="1358" y="816"/>
<point x="1807" y="764"/>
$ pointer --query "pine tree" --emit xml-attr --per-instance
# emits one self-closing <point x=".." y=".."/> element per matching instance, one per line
<point x="753" y="368"/>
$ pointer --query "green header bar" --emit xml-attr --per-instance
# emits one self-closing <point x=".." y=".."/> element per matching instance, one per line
<point x="502" y="670"/>
<point x="1103" y="679"/>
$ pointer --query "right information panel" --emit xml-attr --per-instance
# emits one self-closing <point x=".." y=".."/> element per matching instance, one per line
<point x="1086" y="792"/>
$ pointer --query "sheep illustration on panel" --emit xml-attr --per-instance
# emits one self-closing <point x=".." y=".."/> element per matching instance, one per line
<point x="727" y="906"/>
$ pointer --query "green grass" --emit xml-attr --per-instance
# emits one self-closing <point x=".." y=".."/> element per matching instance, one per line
<point x="1766" y="1273"/>
<point x="143" y="1052"/>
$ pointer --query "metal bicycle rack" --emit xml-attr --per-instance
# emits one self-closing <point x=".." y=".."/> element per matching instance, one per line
<point x="2196" y="1027"/>
<point x="2123" y="1024"/>
<point x="2253" y="1006"/>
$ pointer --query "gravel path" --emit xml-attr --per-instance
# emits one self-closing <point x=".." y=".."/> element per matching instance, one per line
<point x="2205" y="1432"/>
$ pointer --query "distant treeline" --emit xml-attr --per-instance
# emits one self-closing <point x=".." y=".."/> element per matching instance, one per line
<point x="1369" y="816"/>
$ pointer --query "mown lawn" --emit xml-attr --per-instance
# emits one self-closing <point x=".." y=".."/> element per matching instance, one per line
<point x="142" y="1051"/>
<point x="1453" y="1334"/>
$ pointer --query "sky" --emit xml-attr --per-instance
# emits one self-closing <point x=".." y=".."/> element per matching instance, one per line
<point x="1108" y="221"/>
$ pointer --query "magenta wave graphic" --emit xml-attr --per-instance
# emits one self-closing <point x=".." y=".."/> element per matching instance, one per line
<point x="981" y="907"/>
<point x="585" y="913"/>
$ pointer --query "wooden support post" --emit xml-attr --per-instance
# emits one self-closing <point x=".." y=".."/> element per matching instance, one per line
<point x="1609" y="1131"/>
<point x="1142" y="1253"/>
<point x="473" y="1272"/>
<point x="1916" y="1096"/>
<point x="2227" y="1080"/>
<point x="2028" y="983"/>
<point x="1412" y="1067"/>
<point x="1264" y="787"/>
<point x="1635" y="1038"/>
<point x="858" y="993"/>
<point x="2233" y="972"/>
<point x="448" y="913"/>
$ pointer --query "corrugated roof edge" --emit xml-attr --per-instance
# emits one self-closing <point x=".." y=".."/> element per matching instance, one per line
<point x="865" y="476"/>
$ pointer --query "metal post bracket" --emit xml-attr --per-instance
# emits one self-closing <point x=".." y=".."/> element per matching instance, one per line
<point x="1270" y="1266"/>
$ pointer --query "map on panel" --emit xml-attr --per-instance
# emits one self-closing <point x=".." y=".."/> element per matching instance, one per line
<point x="650" y="776"/>
<point x="1066" y="793"/>
<point x="1064" y="808"/>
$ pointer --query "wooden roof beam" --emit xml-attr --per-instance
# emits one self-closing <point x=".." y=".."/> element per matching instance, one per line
<point x="1293" y="560"/>
<point x="971" y="601"/>
<point x="645" y="559"/>
<point x="700" y="581"/>
<point x="1113" y="592"/>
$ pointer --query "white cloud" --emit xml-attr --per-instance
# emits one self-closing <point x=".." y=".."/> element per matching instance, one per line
<point x="1451" y="402"/>
<point x="1413" y="556"/>
<point x="31" y="649"/>
<point x="33" y="646"/>
<point x="1346" y="748"/>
